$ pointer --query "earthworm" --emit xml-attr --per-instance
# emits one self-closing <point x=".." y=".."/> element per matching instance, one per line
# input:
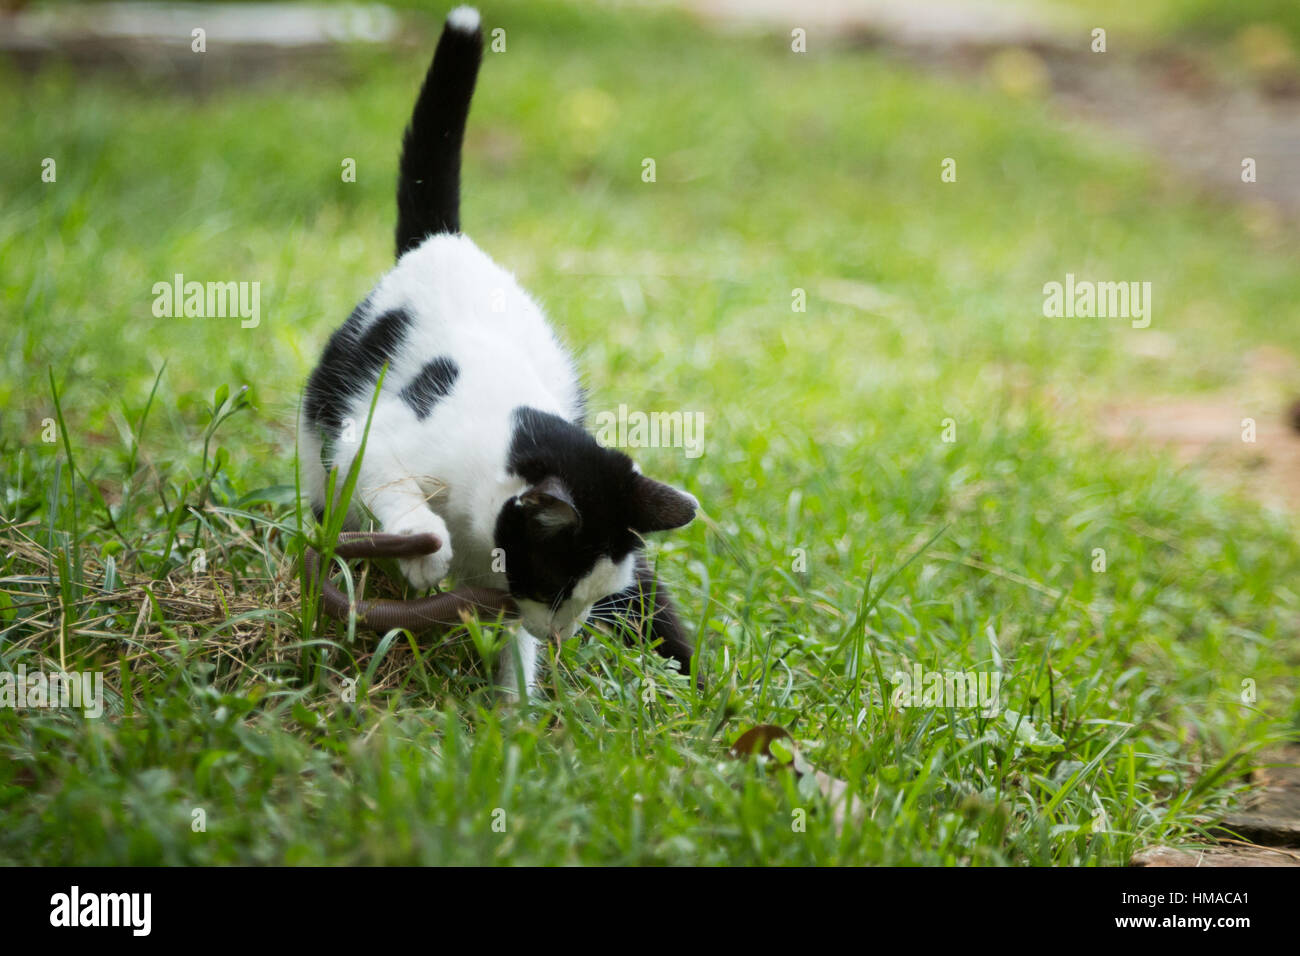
<point x="445" y="609"/>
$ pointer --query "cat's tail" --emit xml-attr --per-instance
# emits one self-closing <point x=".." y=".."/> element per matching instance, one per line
<point x="428" y="186"/>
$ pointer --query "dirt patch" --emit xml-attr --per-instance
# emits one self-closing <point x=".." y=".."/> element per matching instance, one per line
<point x="1269" y="822"/>
<point x="1243" y="438"/>
<point x="1271" y="814"/>
<point x="1234" y="856"/>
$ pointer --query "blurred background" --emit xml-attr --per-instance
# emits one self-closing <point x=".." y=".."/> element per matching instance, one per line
<point x="815" y="160"/>
<point x="827" y="227"/>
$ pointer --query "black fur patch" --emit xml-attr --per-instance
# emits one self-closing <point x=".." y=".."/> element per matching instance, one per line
<point x="351" y="364"/>
<point x="435" y="381"/>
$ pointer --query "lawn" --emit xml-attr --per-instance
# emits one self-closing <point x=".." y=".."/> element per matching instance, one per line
<point x="906" y="473"/>
<point x="1202" y="22"/>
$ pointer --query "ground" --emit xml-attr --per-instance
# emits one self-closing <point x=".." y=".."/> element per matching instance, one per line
<point x="908" y="470"/>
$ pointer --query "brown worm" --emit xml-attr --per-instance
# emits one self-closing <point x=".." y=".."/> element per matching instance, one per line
<point x="382" y="614"/>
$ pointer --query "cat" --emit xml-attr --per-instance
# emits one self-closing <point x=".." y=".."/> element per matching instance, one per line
<point x="477" y="433"/>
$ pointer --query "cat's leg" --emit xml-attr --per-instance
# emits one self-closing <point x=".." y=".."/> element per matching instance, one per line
<point x="518" y="661"/>
<point x="393" y="496"/>
<point x="646" y="612"/>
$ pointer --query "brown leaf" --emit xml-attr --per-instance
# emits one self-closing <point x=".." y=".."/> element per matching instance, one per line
<point x="757" y="741"/>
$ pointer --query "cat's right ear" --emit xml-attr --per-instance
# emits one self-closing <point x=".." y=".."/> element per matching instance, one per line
<point x="549" y="506"/>
<point x="660" y="507"/>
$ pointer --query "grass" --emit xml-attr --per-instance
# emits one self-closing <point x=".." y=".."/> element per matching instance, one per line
<point x="844" y="538"/>
<point x="1252" y="41"/>
<point x="1201" y="20"/>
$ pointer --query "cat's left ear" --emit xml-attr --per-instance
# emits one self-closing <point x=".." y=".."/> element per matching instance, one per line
<point x="550" y="506"/>
<point x="659" y="507"/>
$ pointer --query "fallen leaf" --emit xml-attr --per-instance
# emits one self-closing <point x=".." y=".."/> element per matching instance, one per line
<point x="776" y="744"/>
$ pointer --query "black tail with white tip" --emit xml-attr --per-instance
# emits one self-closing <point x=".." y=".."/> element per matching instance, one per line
<point x="428" y="186"/>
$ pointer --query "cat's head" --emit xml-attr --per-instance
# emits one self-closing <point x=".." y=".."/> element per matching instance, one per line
<point x="570" y="538"/>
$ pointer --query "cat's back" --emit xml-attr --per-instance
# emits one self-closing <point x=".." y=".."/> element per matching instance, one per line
<point x="466" y="307"/>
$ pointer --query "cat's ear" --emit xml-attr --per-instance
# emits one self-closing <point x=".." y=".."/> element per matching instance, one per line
<point x="550" y="507"/>
<point x="659" y="507"/>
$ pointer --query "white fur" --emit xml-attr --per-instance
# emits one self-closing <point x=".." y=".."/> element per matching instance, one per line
<point x="464" y="19"/>
<point x="447" y="474"/>
<point x="605" y="578"/>
<point x="519" y="658"/>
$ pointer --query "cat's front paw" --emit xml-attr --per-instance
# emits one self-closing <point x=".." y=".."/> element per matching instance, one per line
<point x="427" y="570"/>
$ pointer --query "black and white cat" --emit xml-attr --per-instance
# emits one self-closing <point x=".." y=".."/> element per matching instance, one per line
<point x="477" y="435"/>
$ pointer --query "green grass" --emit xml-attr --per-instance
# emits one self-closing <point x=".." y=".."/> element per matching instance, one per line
<point x="823" y="438"/>
<point x="1200" y="23"/>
